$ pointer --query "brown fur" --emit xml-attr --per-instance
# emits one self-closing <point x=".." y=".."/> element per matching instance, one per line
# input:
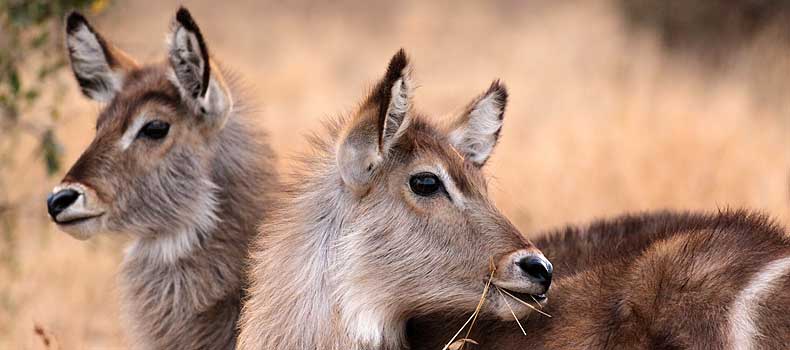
<point x="191" y="201"/>
<point x="654" y="281"/>
<point x="351" y="252"/>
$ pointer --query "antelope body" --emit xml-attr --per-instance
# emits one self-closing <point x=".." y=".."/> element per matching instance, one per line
<point x="388" y="219"/>
<point x="653" y="281"/>
<point x="177" y="165"/>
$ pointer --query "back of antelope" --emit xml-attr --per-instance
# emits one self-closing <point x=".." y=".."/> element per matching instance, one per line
<point x="652" y="281"/>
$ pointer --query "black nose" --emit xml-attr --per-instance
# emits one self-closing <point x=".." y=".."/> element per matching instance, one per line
<point x="538" y="269"/>
<point x="59" y="201"/>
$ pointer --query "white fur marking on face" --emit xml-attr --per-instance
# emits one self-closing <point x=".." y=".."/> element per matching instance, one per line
<point x="743" y="316"/>
<point x="131" y="132"/>
<point x="477" y="138"/>
<point x="449" y="185"/>
<point x="90" y="63"/>
<point x="86" y="206"/>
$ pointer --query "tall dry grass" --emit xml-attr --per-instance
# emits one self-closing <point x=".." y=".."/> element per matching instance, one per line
<point x="601" y="121"/>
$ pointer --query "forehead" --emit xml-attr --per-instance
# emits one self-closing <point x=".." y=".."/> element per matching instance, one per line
<point x="424" y="144"/>
<point x="144" y="87"/>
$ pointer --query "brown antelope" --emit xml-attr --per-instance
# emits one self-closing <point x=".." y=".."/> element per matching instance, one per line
<point x="388" y="219"/>
<point x="654" y="281"/>
<point x="176" y="164"/>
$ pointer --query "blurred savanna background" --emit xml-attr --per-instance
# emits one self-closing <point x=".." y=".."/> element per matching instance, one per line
<point x="615" y="106"/>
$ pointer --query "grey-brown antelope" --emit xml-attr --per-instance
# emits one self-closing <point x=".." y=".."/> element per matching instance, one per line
<point x="652" y="281"/>
<point x="388" y="219"/>
<point x="177" y="165"/>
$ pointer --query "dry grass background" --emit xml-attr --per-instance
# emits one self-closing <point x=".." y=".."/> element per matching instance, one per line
<point x="601" y="121"/>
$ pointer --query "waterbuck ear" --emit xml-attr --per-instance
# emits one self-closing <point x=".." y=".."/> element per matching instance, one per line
<point x="475" y="132"/>
<point x="99" y="67"/>
<point x="382" y="119"/>
<point x="391" y="100"/>
<point x="200" y="84"/>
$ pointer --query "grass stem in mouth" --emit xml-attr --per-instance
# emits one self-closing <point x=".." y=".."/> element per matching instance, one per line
<point x="511" y="310"/>
<point x="473" y="317"/>
<point x="536" y="301"/>
<point x="526" y="303"/>
<point x="459" y="331"/>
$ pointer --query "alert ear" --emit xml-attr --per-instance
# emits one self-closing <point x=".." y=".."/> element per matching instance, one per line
<point x="475" y="132"/>
<point x="99" y="68"/>
<point x="200" y="84"/>
<point x="383" y="118"/>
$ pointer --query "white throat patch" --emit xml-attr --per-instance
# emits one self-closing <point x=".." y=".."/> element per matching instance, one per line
<point x="169" y="247"/>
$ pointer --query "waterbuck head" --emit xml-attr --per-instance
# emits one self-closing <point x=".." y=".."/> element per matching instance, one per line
<point x="148" y="167"/>
<point x="423" y="234"/>
<point x="388" y="219"/>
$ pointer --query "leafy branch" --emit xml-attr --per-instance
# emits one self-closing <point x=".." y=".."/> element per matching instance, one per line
<point x="31" y="92"/>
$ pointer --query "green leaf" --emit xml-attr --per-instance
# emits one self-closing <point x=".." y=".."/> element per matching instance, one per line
<point x="13" y="81"/>
<point x="43" y="72"/>
<point x="54" y="67"/>
<point x="31" y="95"/>
<point x="54" y="114"/>
<point x="40" y="40"/>
<point x="51" y="151"/>
<point x="19" y="15"/>
<point x="60" y="63"/>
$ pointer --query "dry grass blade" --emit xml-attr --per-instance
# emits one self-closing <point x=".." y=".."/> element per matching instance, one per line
<point x="526" y="303"/>
<point x="457" y="153"/>
<point x="460" y="343"/>
<point x="480" y="303"/>
<point x="452" y="341"/>
<point x="511" y="310"/>
<point x="536" y="301"/>
<point x="473" y="317"/>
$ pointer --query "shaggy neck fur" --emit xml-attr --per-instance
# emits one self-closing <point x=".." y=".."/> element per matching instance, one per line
<point x="304" y="310"/>
<point x="183" y="289"/>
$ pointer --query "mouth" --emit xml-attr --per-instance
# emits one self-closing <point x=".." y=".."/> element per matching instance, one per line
<point x="527" y="297"/>
<point x="76" y="220"/>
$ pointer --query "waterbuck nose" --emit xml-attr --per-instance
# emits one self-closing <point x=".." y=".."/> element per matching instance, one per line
<point x="59" y="201"/>
<point x="539" y="269"/>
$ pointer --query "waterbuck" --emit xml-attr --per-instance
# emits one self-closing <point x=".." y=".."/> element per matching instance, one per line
<point x="389" y="218"/>
<point x="653" y="281"/>
<point x="176" y="164"/>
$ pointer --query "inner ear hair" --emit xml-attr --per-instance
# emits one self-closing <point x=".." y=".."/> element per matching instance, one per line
<point x="383" y="117"/>
<point x="475" y="132"/>
<point x="98" y="66"/>
<point x="75" y="22"/>
<point x="201" y="86"/>
<point x="193" y="37"/>
<point x="392" y="98"/>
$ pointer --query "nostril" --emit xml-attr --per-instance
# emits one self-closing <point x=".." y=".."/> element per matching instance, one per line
<point x="59" y="201"/>
<point x="537" y="268"/>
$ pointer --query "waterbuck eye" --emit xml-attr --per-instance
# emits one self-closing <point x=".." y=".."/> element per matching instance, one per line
<point x="155" y="130"/>
<point x="425" y="184"/>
